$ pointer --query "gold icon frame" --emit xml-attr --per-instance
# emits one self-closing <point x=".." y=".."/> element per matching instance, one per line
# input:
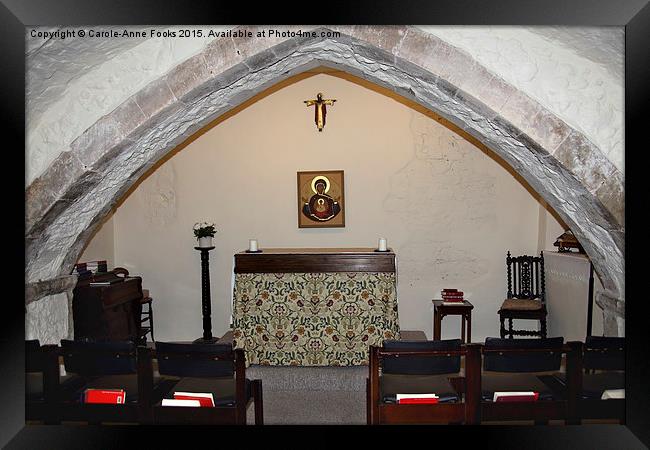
<point x="334" y="188"/>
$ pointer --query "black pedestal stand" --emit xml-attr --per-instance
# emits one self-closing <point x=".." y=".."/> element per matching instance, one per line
<point x="205" y="297"/>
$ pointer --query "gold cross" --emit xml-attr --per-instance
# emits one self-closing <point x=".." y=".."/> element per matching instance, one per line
<point x="320" y="110"/>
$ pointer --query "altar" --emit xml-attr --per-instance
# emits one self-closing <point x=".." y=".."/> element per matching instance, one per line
<point x="314" y="306"/>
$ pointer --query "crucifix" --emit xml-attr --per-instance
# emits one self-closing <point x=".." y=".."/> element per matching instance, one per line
<point x="320" y="109"/>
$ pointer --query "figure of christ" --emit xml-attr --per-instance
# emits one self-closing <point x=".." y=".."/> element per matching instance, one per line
<point x="321" y="207"/>
<point x="320" y="109"/>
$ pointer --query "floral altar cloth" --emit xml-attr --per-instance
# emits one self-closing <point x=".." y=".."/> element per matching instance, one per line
<point x="313" y="319"/>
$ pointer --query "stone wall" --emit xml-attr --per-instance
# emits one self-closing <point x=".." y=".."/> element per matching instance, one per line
<point x="48" y="310"/>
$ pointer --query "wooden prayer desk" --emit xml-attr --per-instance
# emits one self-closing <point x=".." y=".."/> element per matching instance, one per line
<point x="442" y="309"/>
<point x="313" y="306"/>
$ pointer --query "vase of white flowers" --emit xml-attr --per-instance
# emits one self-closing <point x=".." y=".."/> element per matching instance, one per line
<point x="204" y="232"/>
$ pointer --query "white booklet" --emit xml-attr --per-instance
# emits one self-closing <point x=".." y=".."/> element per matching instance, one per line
<point x="513" y="395"/>
<point x="204" y="398"/>
<point x="175" y="402"/>
<point x="399" y="397"/>
<point x="613" y="393"/>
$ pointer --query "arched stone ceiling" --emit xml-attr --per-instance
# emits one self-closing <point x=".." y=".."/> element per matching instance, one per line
<point x="74" y="81"/>
<point x="57" y="62"/>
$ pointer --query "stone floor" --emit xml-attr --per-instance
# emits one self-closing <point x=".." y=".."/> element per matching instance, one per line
<point x="313" y="395"/>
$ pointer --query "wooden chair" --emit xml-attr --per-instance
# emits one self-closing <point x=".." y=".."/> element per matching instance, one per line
<point x="146" y="317"/>
<point x="526" y="295"/>
<point x="422" y="367"/>
<point x="143" y="311"/>
<point x="603" y="362"/>
<point x="215" y="368"/>
<point x="107" y="365"/>
<point x="515" y="365"/>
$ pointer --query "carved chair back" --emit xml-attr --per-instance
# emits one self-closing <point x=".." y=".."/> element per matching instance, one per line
<point x="526" y="276"/>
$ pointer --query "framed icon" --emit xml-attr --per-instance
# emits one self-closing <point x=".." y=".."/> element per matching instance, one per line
<point x="321" y="202"/>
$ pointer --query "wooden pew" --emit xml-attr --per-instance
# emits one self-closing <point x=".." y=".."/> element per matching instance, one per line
<point x="464" y="410"/>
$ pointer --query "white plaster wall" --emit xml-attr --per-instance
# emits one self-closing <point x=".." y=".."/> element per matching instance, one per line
<point x="567" y="288"/>
<point x="567" y="285"/>
<point x="101" y="246"/>
<point x="434" y="196"/>
<point x="586" y="93"/>
<point x="582" y="92"/>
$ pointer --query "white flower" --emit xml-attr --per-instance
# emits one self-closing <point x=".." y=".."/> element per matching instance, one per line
<point x="202" y="225"/>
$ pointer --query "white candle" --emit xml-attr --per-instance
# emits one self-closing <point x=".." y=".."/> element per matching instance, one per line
<point x="382" y="244"/>
<point x="252" y="245"/>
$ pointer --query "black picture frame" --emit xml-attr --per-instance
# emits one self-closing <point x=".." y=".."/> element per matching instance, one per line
<point x="16" y="15"/>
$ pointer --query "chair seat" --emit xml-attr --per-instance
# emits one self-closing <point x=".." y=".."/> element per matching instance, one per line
<point x="222" y="389"/>
<point x="392" y="384"/>
<point x="593" y="385"/>
<point x="514" y="382"/>
<point x="517" y="304"/>
<point x="34" y="385"/>
<point x="128" y="382"/>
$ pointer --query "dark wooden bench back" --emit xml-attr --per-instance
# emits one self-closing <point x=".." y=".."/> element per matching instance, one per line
<point x="88" y="358"/>
<point x="421" y="365"/>
<point x="604" y="353"/>
<point x="195" y="360"/>
<point x="34" y="357"/>
<point x="510" y="355"/>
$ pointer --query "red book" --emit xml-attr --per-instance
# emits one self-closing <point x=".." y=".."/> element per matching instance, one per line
<point x="453" y="294"/>
<point x="450" y="290"/>
<point x="110" y="396"/>
<point x="205" y="399"/>
<point x="416" y="399"/>
<point x="515" y="397"/>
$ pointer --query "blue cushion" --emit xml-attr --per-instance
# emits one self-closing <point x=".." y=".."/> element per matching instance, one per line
<point x="222" y="389"/>
<point x="391" y="385"/>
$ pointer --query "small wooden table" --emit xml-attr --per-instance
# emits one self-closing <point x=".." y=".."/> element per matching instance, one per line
<point x="441" y="309"/>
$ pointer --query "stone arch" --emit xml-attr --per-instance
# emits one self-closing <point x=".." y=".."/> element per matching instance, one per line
<point x="79" y="189"/>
